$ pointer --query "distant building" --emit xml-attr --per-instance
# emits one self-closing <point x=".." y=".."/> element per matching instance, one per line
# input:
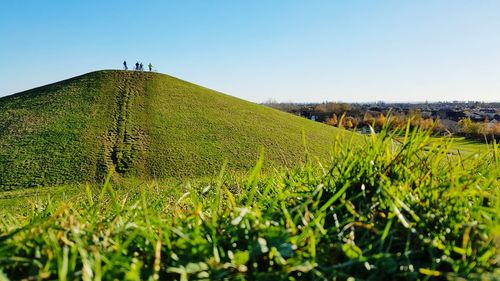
<point x="455" y="115"/>
<point x="426" y="114"/>
<point x="476" y="116"/>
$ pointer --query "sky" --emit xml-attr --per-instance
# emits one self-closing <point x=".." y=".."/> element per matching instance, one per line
<point x="260" y="50"/>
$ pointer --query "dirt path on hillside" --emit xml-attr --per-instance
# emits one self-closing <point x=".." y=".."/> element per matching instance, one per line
<point x="122" y="137"/>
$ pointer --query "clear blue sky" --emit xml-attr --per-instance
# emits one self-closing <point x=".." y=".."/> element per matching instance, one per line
<point x="258" y="50"/>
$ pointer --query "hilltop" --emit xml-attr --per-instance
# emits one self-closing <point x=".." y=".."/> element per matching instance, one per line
<point x="144" y="125"/>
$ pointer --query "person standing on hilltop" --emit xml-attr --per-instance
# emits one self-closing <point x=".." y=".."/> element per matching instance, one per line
<point x="141" y="67"/>
<point x="137" y="66"/>
<point x="150" y="66"/>
<point x="125" y="65"/>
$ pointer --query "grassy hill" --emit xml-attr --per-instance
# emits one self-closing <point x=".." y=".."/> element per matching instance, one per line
<point x="144" y="125"/>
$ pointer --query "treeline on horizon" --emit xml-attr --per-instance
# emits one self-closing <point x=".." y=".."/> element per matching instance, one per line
<point x="356" y="116"/>
<point x="359" y="116"/>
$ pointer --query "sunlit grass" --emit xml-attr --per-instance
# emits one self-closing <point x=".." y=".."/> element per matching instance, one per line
<point x="142" y="125"/>
<point x="383" y="210"/>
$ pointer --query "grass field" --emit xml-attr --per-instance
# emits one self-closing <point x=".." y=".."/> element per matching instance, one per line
<point x="463" y="145"/>
<point x="380" y="210"/>
<point x="142" y="125"/>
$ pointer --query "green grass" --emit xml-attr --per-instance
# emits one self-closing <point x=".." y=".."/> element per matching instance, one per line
<point x="381" y="210"/>
<point x="142" y="125"/>
<point x="463" y="145"/>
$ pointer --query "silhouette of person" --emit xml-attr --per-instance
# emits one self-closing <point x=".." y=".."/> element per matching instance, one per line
<point x="150" y="67"/>
<point x="125" y="65"/>
<point x="141" y="67"/>
<point x="137" y="66"/>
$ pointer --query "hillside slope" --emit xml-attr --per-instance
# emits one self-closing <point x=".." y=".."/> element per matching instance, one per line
<point x="144" y="125"/>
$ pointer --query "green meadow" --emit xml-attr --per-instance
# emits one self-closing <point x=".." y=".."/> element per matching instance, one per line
<point x="377" y="209"/>
<point x="118" y="175"/>
<point x="463" y="145"/>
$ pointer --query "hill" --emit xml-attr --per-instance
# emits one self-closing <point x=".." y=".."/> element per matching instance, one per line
<point x="144" y="125"/>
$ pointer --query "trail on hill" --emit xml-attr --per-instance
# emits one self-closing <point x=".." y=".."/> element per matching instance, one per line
<point x="125" y="141"/>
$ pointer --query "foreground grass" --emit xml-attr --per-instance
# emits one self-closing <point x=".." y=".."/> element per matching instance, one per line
<point x="381" y="211"/>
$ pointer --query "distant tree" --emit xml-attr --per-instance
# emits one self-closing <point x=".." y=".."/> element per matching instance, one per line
<point x="355" y="121"/>
<point x="333" y="121"/>
<point x="470" y="128"/>
<point x="333" y="107"/>
<point x="368" y="119"/>
<point x="400" y="121"/>
<point x="320" y="108"/>
<point x="415" y="113"/>
<point x="380" y="121"/>
<point x="349" y="124"/>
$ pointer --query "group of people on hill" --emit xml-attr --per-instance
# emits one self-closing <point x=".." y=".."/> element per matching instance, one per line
<point x="138" y="66"/>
